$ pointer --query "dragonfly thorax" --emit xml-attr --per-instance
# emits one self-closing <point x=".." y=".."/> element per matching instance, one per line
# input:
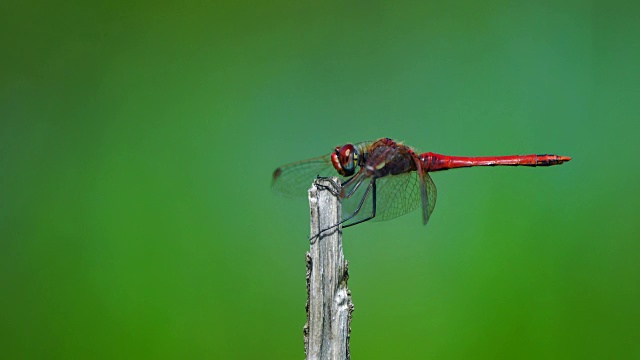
<point x="345" y="159"/>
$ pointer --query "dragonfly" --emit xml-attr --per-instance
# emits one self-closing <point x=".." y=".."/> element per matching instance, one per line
<point x="384" y="179"/>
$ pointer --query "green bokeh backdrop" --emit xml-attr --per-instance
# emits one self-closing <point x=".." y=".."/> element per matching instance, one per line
<point x="137" y="142"/>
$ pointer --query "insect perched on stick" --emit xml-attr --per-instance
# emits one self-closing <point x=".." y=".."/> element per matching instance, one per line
<point x="384" y="179"/>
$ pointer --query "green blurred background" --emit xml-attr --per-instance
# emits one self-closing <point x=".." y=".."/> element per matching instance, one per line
<point x="137" y="142"/>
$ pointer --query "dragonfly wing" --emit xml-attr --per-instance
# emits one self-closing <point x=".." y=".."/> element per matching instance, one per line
<point x="429" y="194"/>
<point x="295" y="179"/>
<point x="397" y="195"/>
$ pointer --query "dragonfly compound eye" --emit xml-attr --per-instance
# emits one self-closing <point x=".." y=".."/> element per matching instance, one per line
<point x="344" y="159"/>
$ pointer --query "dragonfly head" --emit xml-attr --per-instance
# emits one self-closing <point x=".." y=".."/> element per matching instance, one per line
<point x="345" y="159"/>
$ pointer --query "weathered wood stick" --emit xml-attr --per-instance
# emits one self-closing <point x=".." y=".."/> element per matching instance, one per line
<point x="329" y="306"/>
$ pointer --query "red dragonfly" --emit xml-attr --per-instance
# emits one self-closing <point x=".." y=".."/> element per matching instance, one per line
<point x="384" y="179"/>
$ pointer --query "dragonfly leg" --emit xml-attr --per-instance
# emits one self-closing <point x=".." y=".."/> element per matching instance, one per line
<point x="373" y="206"/>
<point x="359" y="177"/>
<point x="343" y="185"/>
<point x="370" y="187"/>
<point x="330" y="189"/>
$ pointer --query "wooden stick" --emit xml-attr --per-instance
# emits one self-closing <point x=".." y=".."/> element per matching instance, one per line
<point x="329" y="306"/>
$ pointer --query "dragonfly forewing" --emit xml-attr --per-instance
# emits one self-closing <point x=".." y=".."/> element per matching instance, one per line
<point x="295" y="179"/>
